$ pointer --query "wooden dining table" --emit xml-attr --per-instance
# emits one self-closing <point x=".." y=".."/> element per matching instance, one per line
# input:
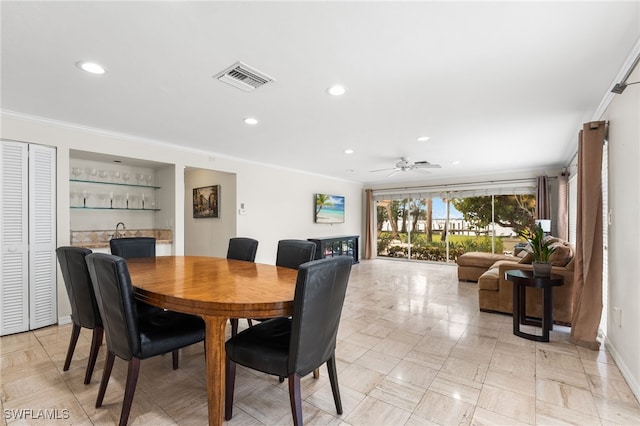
<point x="216" y="289"/>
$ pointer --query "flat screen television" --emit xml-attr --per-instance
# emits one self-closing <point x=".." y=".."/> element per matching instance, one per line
<point x="329" y="208"/>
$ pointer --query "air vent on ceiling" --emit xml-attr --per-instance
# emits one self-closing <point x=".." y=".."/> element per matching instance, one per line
<point x="243" y="77"/>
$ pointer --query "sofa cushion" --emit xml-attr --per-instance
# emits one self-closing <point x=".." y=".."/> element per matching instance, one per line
<point x="489" y="280"/>
<point x="526" y="259"/>
<point x="562" y="255"/>
<point x="480" y="259"/>
<point x="503" y="262"/>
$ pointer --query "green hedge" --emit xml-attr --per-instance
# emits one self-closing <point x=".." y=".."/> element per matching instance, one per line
<point x="435" y="250"/>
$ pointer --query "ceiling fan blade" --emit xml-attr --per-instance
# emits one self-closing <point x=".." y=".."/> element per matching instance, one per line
<point x="420" y="171"/>
<point x="382" y="170"/>
<point x="426" y="165"/>
<point x="393" y="173"/>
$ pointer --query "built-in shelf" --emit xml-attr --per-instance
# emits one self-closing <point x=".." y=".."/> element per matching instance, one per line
<point x="115" y="183"/>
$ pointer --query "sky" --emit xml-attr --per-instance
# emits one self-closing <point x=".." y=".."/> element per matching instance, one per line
<point x="440" y="210"/>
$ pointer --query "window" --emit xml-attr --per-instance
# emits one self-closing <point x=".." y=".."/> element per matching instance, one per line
<point x="439" y="224"/>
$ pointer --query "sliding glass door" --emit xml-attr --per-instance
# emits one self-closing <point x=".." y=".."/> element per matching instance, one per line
<point x="440" y="227"/>
<point x="412" y="228"/>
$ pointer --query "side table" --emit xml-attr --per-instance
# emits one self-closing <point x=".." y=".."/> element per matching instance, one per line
<point x="521" y="280"/>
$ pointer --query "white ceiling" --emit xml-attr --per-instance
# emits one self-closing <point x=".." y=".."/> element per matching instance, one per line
<point x="497" y="86"/>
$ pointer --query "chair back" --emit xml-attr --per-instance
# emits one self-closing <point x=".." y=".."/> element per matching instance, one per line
<point x="320" y="290"/>
<point x="293" y="253"/>
<point x="241" y="248"/>
<point x="133" y="247"/>
<point x="77" y="281"/>
<point x="114" y="293"/>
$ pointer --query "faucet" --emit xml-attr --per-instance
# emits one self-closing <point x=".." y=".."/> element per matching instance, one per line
<point x="116" y="234"/>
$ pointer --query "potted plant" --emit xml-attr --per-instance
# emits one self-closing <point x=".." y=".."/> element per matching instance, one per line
<point x="540" y="248"/>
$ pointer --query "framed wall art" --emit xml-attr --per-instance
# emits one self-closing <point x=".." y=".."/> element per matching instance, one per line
<point x="206" y="201"/>
<point x="329" y="208"/>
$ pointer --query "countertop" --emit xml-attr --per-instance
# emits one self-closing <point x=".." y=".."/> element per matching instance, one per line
<point x="99" y="238"/>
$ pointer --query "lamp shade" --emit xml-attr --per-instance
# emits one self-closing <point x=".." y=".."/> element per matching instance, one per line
<point x="545" y="224"/>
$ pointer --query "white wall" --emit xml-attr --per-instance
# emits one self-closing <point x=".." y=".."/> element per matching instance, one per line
<point x="279" y="202"/>
<point x="209" y="236"/>
<point x="282" y="206"/>
<point x="623" y="341"/>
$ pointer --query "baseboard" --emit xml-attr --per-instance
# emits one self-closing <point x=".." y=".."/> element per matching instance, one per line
<point x="64" y="320"/>
<point x="624" y="369"/>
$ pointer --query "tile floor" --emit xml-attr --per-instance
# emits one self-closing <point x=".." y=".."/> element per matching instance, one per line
<point x="413" y="350"/>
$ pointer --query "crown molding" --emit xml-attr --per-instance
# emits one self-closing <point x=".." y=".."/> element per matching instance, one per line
<point x="156" y="143"/>
<point x="624" y="69"/>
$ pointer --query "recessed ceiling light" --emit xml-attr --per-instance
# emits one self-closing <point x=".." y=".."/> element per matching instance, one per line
<point x="91" y="67"/>
<point x="250" y="121"/>
<point x="455" y="162"/>
<point x="423" y="138"/>
<point x="349" y="151"/>
<point x="336" y="90"/>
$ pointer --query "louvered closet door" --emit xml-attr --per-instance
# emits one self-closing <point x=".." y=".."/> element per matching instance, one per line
<point x="14" y="276"/>
<point x="42" y="236"/>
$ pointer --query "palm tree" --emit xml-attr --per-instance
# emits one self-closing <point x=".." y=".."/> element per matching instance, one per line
<point x="417" y="212"/>
<point x="321" y="201"/>
<point x="404" y="215"/>
<point x="381" y="216"/>
<point x="393" y="219"/>
<point x="429" y="220"/>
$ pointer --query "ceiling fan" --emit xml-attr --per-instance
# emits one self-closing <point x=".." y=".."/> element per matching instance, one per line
<point x="405" y="165"/>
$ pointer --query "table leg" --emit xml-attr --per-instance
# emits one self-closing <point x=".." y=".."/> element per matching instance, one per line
<point x="516" y="308"/>
<point x="522" y="302"/>
<point x="215" y="356"/>
<point x="547" y="314"/>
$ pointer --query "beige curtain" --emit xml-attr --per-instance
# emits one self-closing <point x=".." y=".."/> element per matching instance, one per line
<point x="587" y="294"/>
<point x="370" y="230"/>
<point x="563" y="207"/>
<point x="542" y="198"/>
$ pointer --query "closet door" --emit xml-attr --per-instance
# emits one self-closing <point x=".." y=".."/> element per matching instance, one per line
<point x="42" y="236"/>
<point x="27" y="237"/>
<point x="14" y="262"/>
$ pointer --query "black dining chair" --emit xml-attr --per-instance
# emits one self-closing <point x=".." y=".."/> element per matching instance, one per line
<point x="84" y="308"/>
<point x="137" y="247"/>
<point x="293" y="253"/>
<point x="241" y="248"/>
<point x="133" y="247"/>
<point x="129" y="336"/>
<point x="294" y="347"/>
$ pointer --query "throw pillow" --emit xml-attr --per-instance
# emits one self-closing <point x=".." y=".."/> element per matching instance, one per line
<point x="562" y="255"/>
<point x="526" y="259"/>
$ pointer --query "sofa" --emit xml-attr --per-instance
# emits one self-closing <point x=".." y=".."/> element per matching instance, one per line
<point x="475" y="263"/>
<point x="495" y="293"/>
